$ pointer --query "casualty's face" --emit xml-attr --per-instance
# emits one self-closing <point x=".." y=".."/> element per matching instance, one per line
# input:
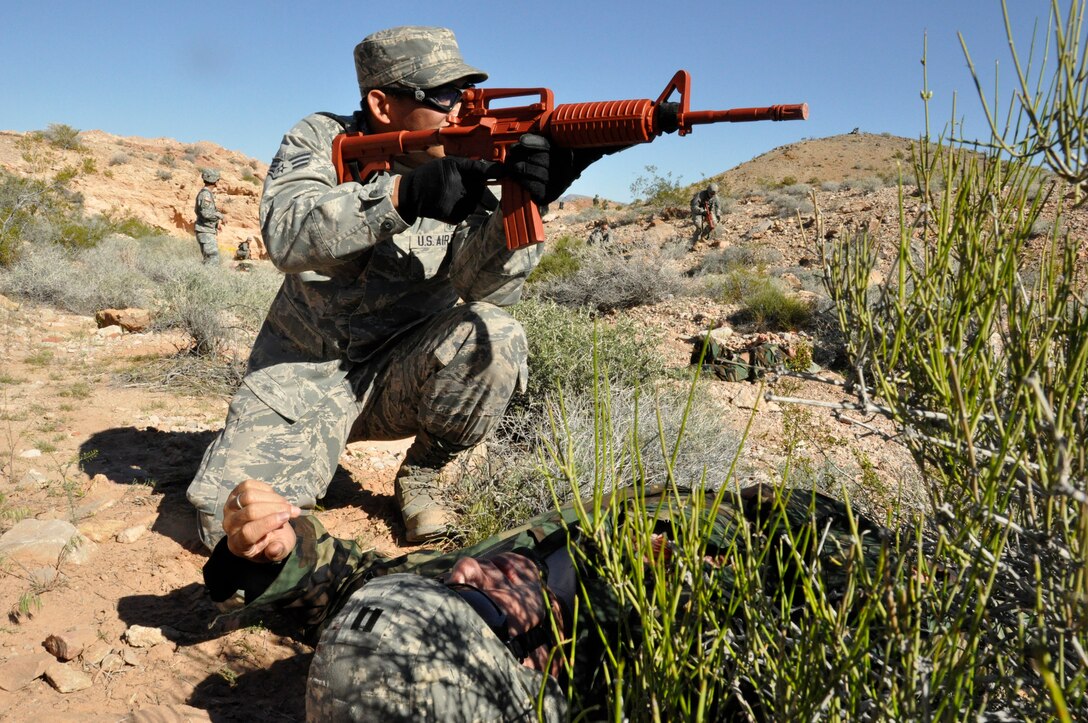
<point x="513" y="582"/>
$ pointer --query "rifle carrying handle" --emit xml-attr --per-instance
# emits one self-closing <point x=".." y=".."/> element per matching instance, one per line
<point x="520" y="216"/>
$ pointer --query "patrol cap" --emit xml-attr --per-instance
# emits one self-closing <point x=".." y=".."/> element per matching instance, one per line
<point x="209" y="175"/>
<point x="412" y="56"/>
<point x="407" y="648"/>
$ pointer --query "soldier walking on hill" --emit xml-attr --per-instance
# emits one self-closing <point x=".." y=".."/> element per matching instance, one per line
<point x="706" y="211"/>
<point x="208" y="218"/>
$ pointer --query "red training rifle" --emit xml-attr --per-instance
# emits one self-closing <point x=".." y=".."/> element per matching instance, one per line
<point x="480" y="131"/>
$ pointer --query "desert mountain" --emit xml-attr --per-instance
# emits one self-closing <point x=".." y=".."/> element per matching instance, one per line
<point x="835" y="159"/>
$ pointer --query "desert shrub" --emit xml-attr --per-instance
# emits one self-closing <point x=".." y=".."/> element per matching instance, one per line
<point x="675" y="248"/>
<point x="791" y="200"/>
<point x="129" y="225"/>
<point x="985" y="373"/>
<point x="733" y="258"/>
<point x="866" y="185"/>
<point x="168" y="160"/>
<point x="734" y="286"/>
<point x="513" y="484"/>
<point x="219" y="310"/>
<point x="61" y="135"/>
<point x="771" y="308"/>
<point x="163" y="175"/>
<point x="560" y="260"/>
<point x="561" y="347"/>
<point x="831" y="186"/>
<point x="120" y="158"/>
<point x="33" y="211"/>
<point x="162" y="274"/>
<point x="609" y="281"/>
<point x="191" y="153"/>
<point x="250" y="178"/>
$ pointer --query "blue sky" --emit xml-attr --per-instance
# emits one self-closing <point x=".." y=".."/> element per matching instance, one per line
<point x="240" y="73"/>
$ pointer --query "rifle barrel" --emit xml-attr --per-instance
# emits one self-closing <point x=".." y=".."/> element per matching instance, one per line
<point x="795" y="111"/>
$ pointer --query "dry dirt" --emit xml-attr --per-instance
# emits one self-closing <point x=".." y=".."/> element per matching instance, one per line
<point x="114" y="460"/>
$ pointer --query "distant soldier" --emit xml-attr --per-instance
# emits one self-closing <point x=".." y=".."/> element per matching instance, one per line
<point x="208" y="217"/>
<point x="243" y="253"/>
<point x="601" y="233"/>
<point x="597" y="200"/>
<point x="706" y="211"/>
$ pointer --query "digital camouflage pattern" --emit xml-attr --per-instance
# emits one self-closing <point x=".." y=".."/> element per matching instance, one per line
<point x="207" y="215"/>
<point x="412" y="57"/>
<point x="207" y="222"/>
<point x="316" y="583"/>
<point x="373" y="663"/>
<point x="703" y="203"/>
<point x="601" y="234"/>
<point x="366" y="338"/>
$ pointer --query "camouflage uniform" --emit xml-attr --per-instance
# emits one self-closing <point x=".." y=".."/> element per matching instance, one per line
<point x="318" y="582"/>
<point x="701" y="203"/>
<point x="207" y="220"/>
<point x="600" y="235"/>
<point x="381" y="329"/>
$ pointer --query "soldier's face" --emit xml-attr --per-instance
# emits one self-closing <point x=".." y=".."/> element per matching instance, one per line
<point x="408" y="114"/>
<point x="513" y="582"/>
<point x="391" y="112"/>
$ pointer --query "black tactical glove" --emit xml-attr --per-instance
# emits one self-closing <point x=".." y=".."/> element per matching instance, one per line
<point x="447" y="189"/>
<point x="546" y="171"/>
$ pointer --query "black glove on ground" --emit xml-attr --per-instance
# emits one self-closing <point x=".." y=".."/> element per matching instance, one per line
<point x="546" y="171"/>
<point x="447" y="189"/>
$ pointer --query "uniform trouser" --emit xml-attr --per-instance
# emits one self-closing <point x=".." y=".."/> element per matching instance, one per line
<point x="702" y="228"/>
<point x="209" y="247"/>
<point x="452" y="378"/>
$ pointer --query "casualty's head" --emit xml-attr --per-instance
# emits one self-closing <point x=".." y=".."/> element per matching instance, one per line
<point x="410" y="648"/>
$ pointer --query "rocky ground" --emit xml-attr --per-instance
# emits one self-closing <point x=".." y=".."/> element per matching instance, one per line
<point x="117" y="625"/>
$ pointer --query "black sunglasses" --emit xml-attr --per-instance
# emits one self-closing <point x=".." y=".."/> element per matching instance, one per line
<point x="444" y="99"/>
<point x="494" y="617"/>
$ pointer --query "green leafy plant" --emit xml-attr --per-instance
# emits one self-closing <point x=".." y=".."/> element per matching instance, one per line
<point x="656" y="189"/>
<point x="560" y="261"/>
<point x="62" y="136"/>
<point x="773" y="309"/>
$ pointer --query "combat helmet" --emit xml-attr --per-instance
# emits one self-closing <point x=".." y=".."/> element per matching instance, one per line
<point x="408" y="648"/>
<point x="209" y="175"/>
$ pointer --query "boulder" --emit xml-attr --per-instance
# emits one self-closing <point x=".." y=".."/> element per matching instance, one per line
<point x="43" y="542"/>
<point x="131" y="320"/>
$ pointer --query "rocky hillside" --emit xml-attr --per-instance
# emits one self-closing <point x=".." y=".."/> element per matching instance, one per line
<point x="154" y="180"/>
<point x="847" y="157"/>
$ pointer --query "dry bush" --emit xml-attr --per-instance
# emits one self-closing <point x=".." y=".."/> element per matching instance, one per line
<point x="608" y="281"/>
